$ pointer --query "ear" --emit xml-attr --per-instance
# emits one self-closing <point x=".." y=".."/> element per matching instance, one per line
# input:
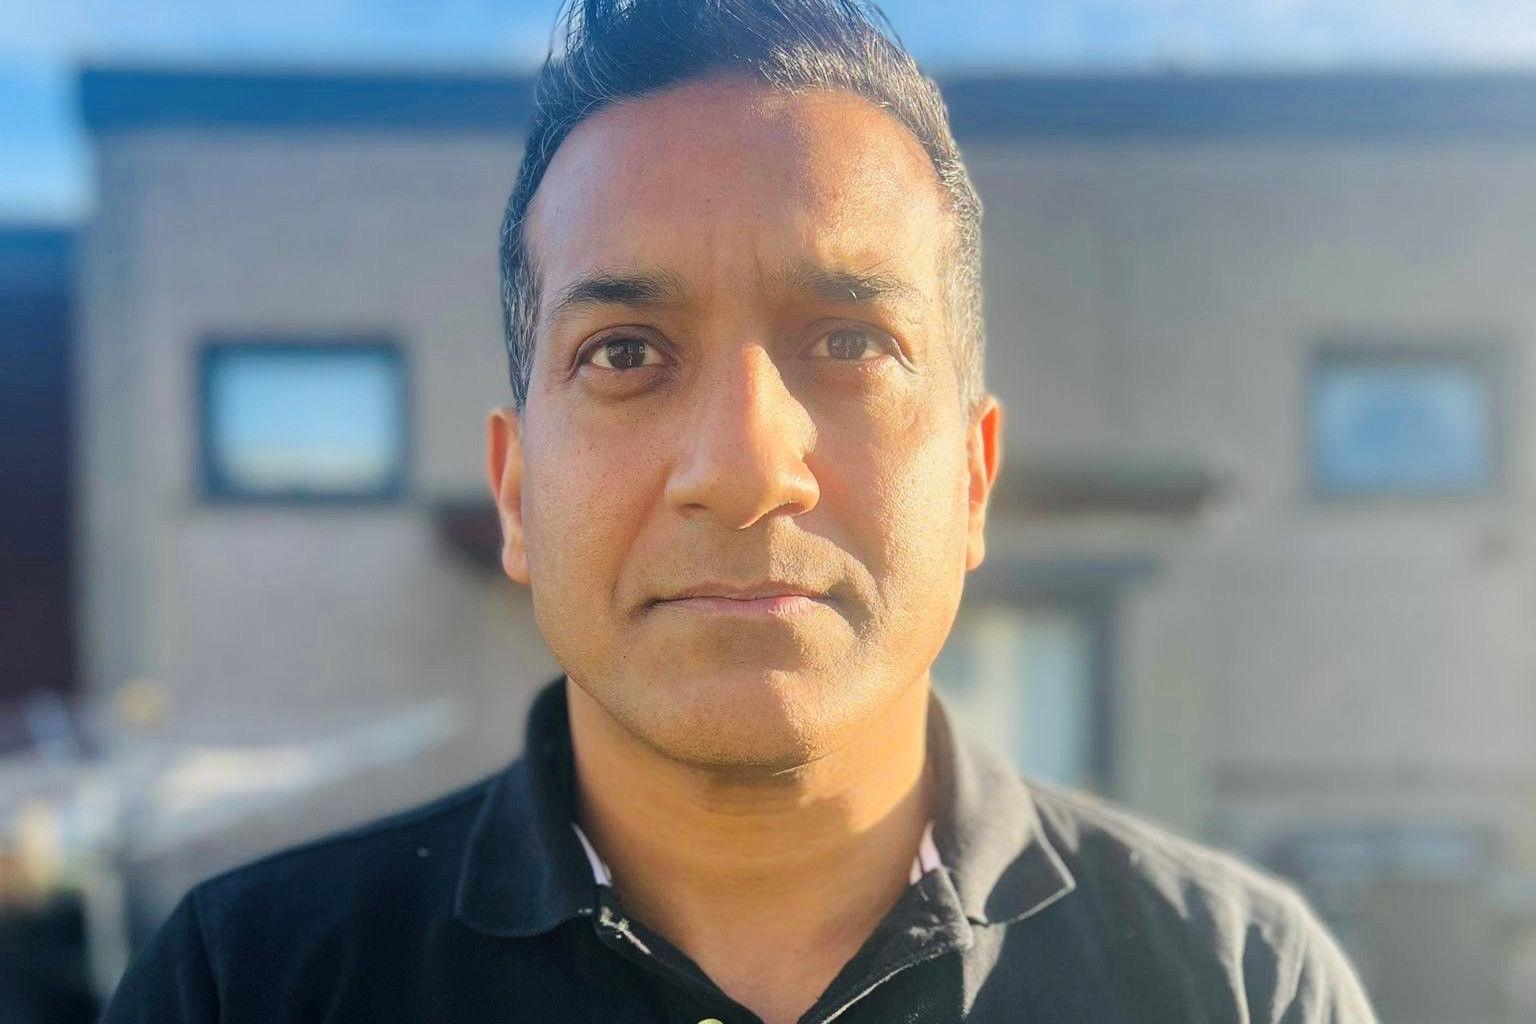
<point x="984" y="453"/>
<point x="504" y="470"/>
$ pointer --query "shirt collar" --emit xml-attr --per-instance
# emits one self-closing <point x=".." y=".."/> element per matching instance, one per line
<point x="988" y="832"/>
<point x="526" y="870"/>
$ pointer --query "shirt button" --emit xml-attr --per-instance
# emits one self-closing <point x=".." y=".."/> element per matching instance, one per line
<point x="711" y="1020"/>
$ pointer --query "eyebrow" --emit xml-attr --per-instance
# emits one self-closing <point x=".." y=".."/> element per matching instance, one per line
<point x="617" y="288"/>
<point x="841" y="285"/>
<point x="640" y="289"/>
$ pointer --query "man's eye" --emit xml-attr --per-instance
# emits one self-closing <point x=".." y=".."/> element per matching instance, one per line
<point x="624" y="354"/>
<point x="849" y="344"/>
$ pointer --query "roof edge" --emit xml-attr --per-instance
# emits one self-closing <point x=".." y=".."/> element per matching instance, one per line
<point x="36" y="256"/>
<point x="1361" y="104"/>
<point x="119" y="98"/>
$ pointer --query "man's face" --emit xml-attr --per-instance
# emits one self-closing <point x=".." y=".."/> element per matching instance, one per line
<point x="744" y="489"/>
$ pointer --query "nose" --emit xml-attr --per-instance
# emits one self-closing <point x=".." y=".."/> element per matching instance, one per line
<point x="744" y="456"/>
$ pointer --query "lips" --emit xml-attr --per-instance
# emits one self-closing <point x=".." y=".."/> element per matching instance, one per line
<point x="770" y="598"/>
<point x="747" y="592"/>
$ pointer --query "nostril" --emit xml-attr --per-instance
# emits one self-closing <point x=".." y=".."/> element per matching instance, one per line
<point x="741" y="489"/>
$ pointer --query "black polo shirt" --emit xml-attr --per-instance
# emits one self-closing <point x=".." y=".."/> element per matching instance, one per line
<point x="483" y="907"/>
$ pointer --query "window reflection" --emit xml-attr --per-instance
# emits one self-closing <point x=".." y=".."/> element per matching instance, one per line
<point x="303" y="421"/>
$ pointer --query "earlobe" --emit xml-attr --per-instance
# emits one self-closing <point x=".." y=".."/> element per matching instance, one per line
<point x="984" y="453"/>
<point x="504" y="471"/>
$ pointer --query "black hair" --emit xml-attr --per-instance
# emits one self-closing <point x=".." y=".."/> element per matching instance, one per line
<point x="605" y="51"/>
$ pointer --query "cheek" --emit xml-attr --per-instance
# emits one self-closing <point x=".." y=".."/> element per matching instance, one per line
<point x="931" y="500"/>
<point x="583" y="503"/>
<point x="908" y="499"/>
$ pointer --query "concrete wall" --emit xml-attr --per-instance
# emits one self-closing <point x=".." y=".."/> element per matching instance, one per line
<point x="1296" y="664"/>
<point x="1290" y="661"/>
<point x="254" y="616"/>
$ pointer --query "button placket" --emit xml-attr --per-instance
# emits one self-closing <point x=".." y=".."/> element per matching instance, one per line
<point x="618" y="933"/>
<point x="937" y="928"/>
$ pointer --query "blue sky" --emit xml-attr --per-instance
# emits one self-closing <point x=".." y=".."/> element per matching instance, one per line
<point x="44" y="160"/>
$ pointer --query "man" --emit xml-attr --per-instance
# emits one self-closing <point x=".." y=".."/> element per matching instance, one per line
<point x="745" y="474"/>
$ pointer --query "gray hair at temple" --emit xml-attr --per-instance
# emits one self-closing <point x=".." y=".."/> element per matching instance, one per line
<point x="610" y="50"/>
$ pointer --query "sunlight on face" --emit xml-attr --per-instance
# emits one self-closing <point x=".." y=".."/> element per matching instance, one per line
<point x="745" y="499"/>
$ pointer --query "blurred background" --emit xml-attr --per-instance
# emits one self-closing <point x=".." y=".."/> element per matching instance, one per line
<point x="1261" y="284"/>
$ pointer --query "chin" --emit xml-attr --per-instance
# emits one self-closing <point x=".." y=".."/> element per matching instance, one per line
<point x="743" y="717"/>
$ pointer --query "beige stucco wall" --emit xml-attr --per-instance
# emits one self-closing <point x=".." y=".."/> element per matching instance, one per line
<point x="1288" y="659"/>
<point x="1348" y="660"/>
<point x="265" y="621"/>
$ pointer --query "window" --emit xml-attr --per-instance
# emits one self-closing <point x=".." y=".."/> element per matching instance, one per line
<point x="1402" y="422"/>
<point x="303" y="420"/>
<point x="1023" y="679"/>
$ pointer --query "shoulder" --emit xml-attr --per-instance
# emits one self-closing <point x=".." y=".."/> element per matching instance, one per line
<point x="1181" y="908"/>
<point x="1110" y="849"/>
<point x="276" y="935"/>
<point x="334" y="876"/>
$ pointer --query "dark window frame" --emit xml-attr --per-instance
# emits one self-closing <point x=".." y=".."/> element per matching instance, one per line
<point x="215" y="488"/>
<point x="1092" y="590"/>
<point x="1486" y="357"/>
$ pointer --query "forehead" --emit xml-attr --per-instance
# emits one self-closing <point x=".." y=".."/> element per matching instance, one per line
<point x="721" y="177"/>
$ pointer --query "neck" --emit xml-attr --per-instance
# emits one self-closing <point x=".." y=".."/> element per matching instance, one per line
<point x="812" y="858"/>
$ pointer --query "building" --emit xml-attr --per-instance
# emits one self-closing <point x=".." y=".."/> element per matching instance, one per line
<point x="37" y="650"/>
<point x="1262" y="566"/>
